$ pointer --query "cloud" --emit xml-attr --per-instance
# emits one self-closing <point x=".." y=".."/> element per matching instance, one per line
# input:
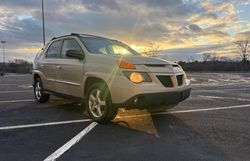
<point x="194" y="28"/>
<point x="243" y="36"/>
<point x="171" y="23"/>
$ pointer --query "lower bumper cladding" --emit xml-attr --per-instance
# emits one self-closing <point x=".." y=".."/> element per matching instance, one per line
<point x="155" y="99"/>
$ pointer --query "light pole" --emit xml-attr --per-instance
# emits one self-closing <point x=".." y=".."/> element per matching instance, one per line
<point x="43" y="24"/>
<point x="3" y="42"/>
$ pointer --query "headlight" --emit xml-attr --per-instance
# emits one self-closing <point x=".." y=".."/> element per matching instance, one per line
<point x="137" y="77"/>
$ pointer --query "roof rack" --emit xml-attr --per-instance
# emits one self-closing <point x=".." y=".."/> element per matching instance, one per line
<point x="53" y="38"/>
<point x="77" y="34"/>
<point x="58" y="37"/>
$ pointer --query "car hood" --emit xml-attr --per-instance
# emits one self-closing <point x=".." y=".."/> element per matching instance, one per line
<point x="140" y="60"/>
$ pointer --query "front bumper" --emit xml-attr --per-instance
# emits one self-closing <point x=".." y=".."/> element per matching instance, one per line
<point x="155" y="99"/>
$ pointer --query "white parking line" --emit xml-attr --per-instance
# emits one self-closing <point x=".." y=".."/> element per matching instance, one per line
<point x="15" y="101"/>
<point x="223" y="98"/>
<point x="130" y="116"/>
<point x="203" y="109"/>
<point x="25" y="80"/>
<point x="19" y="91"/>
<point x="188" y="111"/>
<point x="79" y="136"/>
<point x="70" y="143"/>
<point x="17" y="75"/>
<point x="43" y="124"/>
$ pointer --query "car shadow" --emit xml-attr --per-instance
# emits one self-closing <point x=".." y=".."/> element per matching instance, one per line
<point x="141" y="136"/>
<point x="171" y="137"/>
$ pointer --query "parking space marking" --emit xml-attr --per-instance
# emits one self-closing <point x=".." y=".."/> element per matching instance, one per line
<point x="17" y="80"/>
<point x="189" y="111"/>
<point x="43" y="124"/>
<point x="19" y="91"/>
<point x="15" y="101"/>
<point x="70" y="143"/>
<point x="9" y="84"/>
<point x="18" y="75"/>
<point x="130" y="116"/>
<point x="219" y="97"/>
<point x="203" y="109"/>
<point x="220" y="90"/>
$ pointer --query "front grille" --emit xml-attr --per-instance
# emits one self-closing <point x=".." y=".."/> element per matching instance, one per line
<point x="179" y="79"/>
<point x="165" y="80"/>
<point x="175" y="65"/>
<point x="155" y="65"/>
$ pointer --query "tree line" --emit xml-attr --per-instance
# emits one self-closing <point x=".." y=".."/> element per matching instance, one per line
<point x="16" y="66"/>
<point x="210" y="61"/>
<point x="213" y="62"/>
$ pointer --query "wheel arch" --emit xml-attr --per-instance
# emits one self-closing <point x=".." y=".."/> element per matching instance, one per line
<point x="35" y="76"/>
<point x="91" y="80"/>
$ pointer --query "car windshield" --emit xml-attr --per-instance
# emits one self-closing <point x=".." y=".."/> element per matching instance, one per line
<point x="105" y="46"/>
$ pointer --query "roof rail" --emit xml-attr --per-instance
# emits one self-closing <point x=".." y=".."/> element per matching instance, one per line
<point x="53" y="38"/>
<point x="58" y="37"/>
<point x="76" y="34"/>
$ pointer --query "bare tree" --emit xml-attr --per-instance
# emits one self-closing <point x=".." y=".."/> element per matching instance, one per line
<point x="206" y="57"/>
<point x="214" y="57"/>
<point x="154" y="50"/>
<point x="224" y="59"/>
<point x="243" y="46"/>
<point x="191" y="59"/>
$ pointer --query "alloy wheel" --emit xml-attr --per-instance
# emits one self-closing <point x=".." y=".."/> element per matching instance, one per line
<point x="97" y="103"/>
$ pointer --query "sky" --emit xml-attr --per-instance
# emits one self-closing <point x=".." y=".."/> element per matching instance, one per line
<point x="183" y="29"/>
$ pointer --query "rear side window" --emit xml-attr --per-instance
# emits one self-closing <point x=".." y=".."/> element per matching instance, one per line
<point x="54" y="50"/>
<point x="70" y="44"/>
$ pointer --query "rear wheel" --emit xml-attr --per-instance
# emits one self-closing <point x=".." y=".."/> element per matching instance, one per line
<point x="39" y="93"/>
<point x="99" y="104"/>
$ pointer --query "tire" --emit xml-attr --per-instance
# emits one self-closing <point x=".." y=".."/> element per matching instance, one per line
<point x="39" y="93"/>
<point x="99" y="104"/>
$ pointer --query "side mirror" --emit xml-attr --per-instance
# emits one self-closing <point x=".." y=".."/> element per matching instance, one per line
<point x="75" y="54"/>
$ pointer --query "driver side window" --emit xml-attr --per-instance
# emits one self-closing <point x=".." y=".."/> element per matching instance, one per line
<point x="70" y="44"/>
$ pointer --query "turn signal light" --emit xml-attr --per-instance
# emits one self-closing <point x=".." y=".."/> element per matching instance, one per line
<point x="125" y="65"/>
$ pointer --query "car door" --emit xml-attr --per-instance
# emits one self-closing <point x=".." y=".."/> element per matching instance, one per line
<point x="48" y="67"/>
<point x="70" y="70"/>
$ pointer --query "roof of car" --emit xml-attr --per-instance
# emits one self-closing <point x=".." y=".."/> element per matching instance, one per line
<point x="80" y="35"/>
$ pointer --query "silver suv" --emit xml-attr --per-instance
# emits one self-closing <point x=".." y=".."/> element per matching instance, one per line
<point x="106" y="74"/>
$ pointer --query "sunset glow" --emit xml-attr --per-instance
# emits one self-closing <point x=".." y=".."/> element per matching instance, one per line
<point x="196" y="25"/>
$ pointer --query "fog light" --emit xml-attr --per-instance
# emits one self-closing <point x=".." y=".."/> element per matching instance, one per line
<point x="136" y="77"/>
<point x="135" y="101"/>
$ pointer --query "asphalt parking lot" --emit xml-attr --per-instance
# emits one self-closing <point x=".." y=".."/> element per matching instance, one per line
<point x="213" y="124"/>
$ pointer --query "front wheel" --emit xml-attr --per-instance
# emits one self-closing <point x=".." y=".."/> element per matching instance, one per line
<point x="99" y="104"/>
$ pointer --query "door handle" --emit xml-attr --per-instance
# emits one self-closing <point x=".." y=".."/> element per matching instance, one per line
<point x="58" y="67"/>
<point x="42" y="65"/>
